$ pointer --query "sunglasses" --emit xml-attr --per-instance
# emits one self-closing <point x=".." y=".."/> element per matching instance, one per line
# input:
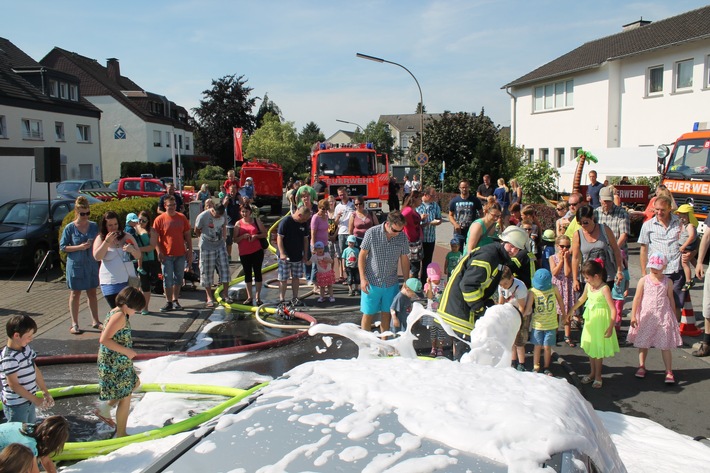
<point x="142" y="220"/>
<point x="84" y="214"/>
<point x="565" y="246"/>
<point x="396" y="230"/>
<point x="560" y="208"/>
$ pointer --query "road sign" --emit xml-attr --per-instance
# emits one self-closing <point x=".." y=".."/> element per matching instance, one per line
<point x="422" y="158"/>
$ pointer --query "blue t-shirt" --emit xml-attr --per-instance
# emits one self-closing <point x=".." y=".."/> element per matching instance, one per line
<point x="350" y="256"/>
<point x="617" y="292"/>
<point x="10" y="433"/>
<point x="502" y="198"/>
<point x="402" y="306"/>
<point x="547" y="251"/>
<point x="593" y="192"/>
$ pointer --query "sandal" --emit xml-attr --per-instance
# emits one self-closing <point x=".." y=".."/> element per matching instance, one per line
<point x="641" y="372"/>
<point x="569" y="342"/>
<point x="247" y="301"/>
<point x="210" y="304"/>
<point x="75" y="330"/>
<point x="597" y="384"/>
<point x="586" y="380"/>
<point x="547" y="372"/>
<point x="98" y="326"/>
<point x="670" y="379"/>
<point x="259" y="303"/>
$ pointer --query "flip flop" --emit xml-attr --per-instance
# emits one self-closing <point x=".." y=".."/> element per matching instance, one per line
<point x="75" y="330"/>
<point x="210" y="304"/>
<point x="106" y="420"/>
<point x="597" y="384"/>
<point x="98" y="326"/>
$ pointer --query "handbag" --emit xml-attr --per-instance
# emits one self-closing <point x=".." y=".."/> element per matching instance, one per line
<point x="416" y="251"/>
<point x="263" y="241"/>
<point x="133" y="279"/>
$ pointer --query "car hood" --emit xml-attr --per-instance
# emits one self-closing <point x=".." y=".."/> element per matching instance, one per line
<point x="13" y="232"/>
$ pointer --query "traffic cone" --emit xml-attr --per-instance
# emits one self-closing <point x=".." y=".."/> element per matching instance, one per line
<point x="687" y="319"/>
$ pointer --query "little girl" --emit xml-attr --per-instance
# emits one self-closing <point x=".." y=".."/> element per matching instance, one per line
<point x="653" y="321"/>
<point x="325" y="277"/>
<point x="561" y="269"/>
<point x="688" y="242"/>
<point x="433" y="289"/>
<point x="598" y="335"/>
<point x="514" y="291"/>
<point x="619" y="291"/>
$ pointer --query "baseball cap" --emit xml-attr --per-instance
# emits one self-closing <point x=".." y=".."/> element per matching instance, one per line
<point x="131" y="217"/>
<point x="606" y="193"/>
<point x="249" y="179"/>
<point x="656" y="261"/>
<point x="414" y="284"/>
<point x="542" y="280"/>
<point x="548" y="235"/>
<point x="434" y="271"/>
<point x="352" y="239"/>
<point x="455" y="241"/>
<point x="319" y="244"/>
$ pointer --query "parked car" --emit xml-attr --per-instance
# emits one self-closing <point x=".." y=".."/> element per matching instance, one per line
<point x="74" y="195"/>
<point x="139" y="187"/>
<point x="26" y="233"/>
<point x="92" y="187"/>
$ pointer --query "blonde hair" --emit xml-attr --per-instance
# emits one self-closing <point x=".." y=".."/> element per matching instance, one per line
<point x="82" y="202"/>
<point x="204" y="187"/>
<point x="501" y="183"/>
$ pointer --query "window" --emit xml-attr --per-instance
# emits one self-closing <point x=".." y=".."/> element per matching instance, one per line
<point x="529" y="155"/>
<point x="706" y="84"/>
<point x="545" y="154"/>
<point x="153" y="187"/>
<point x="684" y="74"/>
<point x="654" y="80"/>
<point x="74" y="93"/>
<point x="187" y="143"/>
<point x="553" y="96"/>
<point x="573" y="152"/>
<point x="167" y="139"/>
<point x="559" y="157"/>
<point x="63" y="90"/>
<point x="59" y="131"/>
<point x="83" y="133"/>
<point x="156" y="139"/>
<point x="53" y="88"/>
<point x="3" y="127"/>
<point x="32" y="129"/>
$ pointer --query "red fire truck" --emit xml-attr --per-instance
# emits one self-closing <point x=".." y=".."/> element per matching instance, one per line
<point x="357" y="166"/>
<point x="268" y="183"/>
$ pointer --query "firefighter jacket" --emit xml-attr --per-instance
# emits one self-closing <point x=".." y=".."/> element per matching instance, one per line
<point x="471" y="285"/>
<point x="523" y="267"/>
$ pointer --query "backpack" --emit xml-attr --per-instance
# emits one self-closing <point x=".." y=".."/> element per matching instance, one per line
<point x="604" y="254"/>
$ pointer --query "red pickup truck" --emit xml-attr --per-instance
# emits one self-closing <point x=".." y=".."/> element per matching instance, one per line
<point x="137" y="187"/>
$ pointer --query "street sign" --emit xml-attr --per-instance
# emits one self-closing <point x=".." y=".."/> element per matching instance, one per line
<point x="422" y="158"/>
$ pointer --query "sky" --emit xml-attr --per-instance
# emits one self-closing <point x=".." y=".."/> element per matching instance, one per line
<point x="302" y="53"/>
<point x="490" y="409"/>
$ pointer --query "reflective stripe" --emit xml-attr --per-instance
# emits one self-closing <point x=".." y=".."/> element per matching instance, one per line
<point x="458" y="325"/>
<point x="478" y="294"/>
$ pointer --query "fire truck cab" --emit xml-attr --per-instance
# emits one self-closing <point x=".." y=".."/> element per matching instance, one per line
<point x="685" y="170"/>
<point x="357" y="166"/>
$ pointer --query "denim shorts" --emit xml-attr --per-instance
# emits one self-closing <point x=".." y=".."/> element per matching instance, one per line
<point x="173" y="270"/>
<point x="25" y="412"/>
<point x="546" y="338"/>
<point x="379" y="299"/>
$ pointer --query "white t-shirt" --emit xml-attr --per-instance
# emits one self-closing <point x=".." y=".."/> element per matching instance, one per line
<point x="210" y="231"/>
<point x="516" y="291"/>
<point x="344" y="210"/>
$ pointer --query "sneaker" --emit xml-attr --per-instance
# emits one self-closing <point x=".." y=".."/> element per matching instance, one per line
<point x="332" y="299"/>
<point x="350" y="292"/>
<point x="670" y="379"/>
<point x="641" y="372"/>
<point x="176" y="305"/>
<point x="439" y="352"/>
<point x="704" y="350"/>
<point x="145" y="312"/>
<point x="520" y="367"/>
<point x="320" y="300"/>
<point x="141" y="271"/>
<point x="167" y="307"/>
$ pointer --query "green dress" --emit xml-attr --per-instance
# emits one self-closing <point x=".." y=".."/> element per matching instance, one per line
<point x="117" y="377"/>
<point x="597" y="317"/>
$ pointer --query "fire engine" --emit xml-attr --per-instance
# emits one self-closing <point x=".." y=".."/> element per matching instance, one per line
<point x="268" y="183"/>
<point x="687" y="171"/>
<point x="358" y="167"/>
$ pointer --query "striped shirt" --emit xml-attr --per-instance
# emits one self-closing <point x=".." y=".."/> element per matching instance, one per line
<point x="433" y="211"/>
<point x="383" y="255"/>
<point x="21" y="363"/>
<point x="659" y="239"/>
<point x="617" y="220"/>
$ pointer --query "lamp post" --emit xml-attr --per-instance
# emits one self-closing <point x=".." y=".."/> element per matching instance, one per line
<point x="421" y="103"/>
<point x="353" y="123"/>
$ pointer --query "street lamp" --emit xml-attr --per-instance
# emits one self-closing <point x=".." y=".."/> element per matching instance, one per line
<point x="421" y="101"/>
<point x="353" y="123"/>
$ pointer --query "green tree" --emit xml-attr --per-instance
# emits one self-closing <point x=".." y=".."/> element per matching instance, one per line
<point x="378" y="134"/>
<point x="211" y="173"/>
<point x="267" y="106"/>
<point x="310" y="134"/>
<point x="538" y="179"/>
<point x="225" y="106"/>
<point x="277" y="142"/>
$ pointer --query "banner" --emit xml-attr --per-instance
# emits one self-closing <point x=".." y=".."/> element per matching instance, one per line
<point x="238" y="145"/>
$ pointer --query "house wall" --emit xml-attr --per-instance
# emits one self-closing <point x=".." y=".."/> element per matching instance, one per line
<point x="17" y="175"/>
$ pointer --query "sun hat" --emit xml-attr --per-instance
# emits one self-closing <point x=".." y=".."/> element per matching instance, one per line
<point x="414" y="284"/>
<point x="319" y="244"/>
<point x="542" y="280"/>
<point x="548" y="235"/>
<point x="352" y="239"/>
<point x="656" y="261"/>
<point x="434" y="271"/>
<point x="516" y="236"/>
<point x="131" y="217"/>
<point x="688" y="209"/>
<point x="606" y="193"/>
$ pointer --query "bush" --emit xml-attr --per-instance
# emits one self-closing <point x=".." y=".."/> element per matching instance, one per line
<point x="538" y="179"/>
<point x="211" y="173"/>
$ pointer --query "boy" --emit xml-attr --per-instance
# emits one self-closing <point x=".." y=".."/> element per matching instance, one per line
<point x="619" y="291"/>
<point x="544" y="317"/>
<point x="131" y="224"/>
<point x="452" y="257"/>
<point x="19" y="374"/>
<point x="402" y="304"/>
<point x="514" y="291"/>
<point x="350" y="255"/>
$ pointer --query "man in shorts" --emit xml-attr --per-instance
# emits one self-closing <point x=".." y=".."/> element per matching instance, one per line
<point x="174" y="250"/>
<point x="211" y="229"/>
<point x="382" y="247"/>
<point x="292" y="240"/>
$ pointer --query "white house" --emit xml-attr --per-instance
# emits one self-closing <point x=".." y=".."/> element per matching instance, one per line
<point x="42" y="107"/>
<point x="136" y="125"/>
<point x="633" y="90"/>
<point x="405" y="127"/>
<point x="341" y="137"/>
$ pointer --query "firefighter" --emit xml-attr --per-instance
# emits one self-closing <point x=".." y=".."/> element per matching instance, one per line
<point x="475" y="279"/>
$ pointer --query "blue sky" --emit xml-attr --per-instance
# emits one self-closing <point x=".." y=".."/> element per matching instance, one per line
<point x="302" y="53"/>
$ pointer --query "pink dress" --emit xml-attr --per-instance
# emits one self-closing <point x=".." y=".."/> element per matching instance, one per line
<point x="657" y="326"/>
<point x="564" y="285"/>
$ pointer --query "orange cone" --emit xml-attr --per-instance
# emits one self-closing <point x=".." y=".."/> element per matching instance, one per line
<point x="687" y="319"/>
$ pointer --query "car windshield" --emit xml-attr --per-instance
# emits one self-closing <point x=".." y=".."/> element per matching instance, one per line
<point x="690" y="157"/>
<point x="113" y="185"/>
<point x="348" y="163"/>
<point x="23" y="213"/>
<point x="68" y="187"/>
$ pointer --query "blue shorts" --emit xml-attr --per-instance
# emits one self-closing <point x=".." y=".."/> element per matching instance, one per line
<point x="173" y="270"/>
<point x="378" y="300"/>
<point x="546" y="338"/>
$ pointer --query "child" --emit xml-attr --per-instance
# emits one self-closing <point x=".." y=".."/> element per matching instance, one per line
<point x="544" y="317"/>
<point x="530" y="225"/>
<point x="619" y="291"/>
<point x="131" y="224"/>
<point x="514" y="291"/>
<point x="19" y="373"/>
<point x="325" y="276"/>
<point x="45" y="439"/>
<point x="598" y="335"/>
<point x="452" y="257"/>
<point x="561" y="269"/>
<point x="117" y="377"/>
<point x="402" y="304"/>
<point x="688" y="242"/>
<point x="548" y="247"/>
<point x="653" y="321"/>
<point x="433" y="289"/>
<point x="350" y="255"/>
<point x="17" y="458"/>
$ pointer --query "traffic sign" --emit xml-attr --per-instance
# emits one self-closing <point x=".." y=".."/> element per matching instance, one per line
<point x="422" y="158"/>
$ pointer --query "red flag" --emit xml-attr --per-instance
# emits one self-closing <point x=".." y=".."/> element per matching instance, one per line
<point x="238" y="145"/>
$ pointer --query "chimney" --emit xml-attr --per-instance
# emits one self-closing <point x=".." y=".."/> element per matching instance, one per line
<point x="635" y="24"/>
<point x="113" y="69"/>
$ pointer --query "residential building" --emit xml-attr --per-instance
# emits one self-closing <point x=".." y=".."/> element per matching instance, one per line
<point x="43" y="107"/>
<point x="405" y="127"/>
<point x="136" y="125"/>
<point x="632" y="90"/>
<point x="341" y="137"/>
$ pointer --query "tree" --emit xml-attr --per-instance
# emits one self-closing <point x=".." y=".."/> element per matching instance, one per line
<point x="277" y="142"/>
<point x="377" y="133"/>
<point x="225" y="106"/>
<point x="310" y="134"/>
<point x="267" y="106"/>
<point x="211" y="173"/>
<point x="538" y="179"/>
